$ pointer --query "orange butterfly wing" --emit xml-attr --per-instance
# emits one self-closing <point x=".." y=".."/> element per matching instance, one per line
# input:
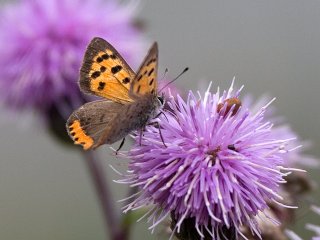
<point x="145" y="81"/>
<point x="88" y="124"/>
<point x="105" y="73"/>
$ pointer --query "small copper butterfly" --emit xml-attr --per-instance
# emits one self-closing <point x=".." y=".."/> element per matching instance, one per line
<point x="131" y="100"/>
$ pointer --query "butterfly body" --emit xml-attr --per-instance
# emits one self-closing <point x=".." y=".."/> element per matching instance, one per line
<point x="133" y="116"/>
<point x="132" y="99"/>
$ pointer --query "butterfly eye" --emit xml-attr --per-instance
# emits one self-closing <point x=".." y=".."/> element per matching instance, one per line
<point x="161" y="100"/>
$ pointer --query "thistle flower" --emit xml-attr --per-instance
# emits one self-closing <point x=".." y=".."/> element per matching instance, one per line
<point x="42" y="45"/>
<point x="218" y="165"/>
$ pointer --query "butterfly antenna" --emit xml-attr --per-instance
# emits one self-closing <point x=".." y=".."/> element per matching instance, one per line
<point x="186" y="69"/>
<point x="165" y="73"/>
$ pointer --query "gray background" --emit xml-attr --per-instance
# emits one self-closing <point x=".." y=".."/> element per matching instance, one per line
<point x="270" y="46"/>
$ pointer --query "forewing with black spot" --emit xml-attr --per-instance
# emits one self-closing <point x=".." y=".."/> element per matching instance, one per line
<point x="105" y="73"/>
<point x="145" y="81"/>
<point x="89" y="124"/>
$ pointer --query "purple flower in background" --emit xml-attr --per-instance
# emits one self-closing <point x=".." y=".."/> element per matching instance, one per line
<point x="221" y="165"/>
<point x="42" y="45"/>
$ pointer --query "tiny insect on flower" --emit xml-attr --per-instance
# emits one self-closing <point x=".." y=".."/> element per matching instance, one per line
<point x="221" y="167"/>
<point x="231" y="103"/>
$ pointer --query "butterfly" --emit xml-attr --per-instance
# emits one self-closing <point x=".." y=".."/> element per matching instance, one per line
<point x="131" y="100"/>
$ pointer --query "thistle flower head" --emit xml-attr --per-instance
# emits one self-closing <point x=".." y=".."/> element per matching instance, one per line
<point x="219" y="164"/>
<point x="42" y="45"/>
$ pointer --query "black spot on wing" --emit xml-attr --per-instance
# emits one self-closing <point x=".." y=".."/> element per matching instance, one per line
<point x="151" y="71"/>
<point x="105" y="56"/>
<point x="126" y="80"/>
<point x="103" y="69"/>
<point x="116" y="69"/>
<point x="101" y="86"/>
<point x="138" y="90"/>
<point x="150" y="83"/>
<point x="95" y="74"/>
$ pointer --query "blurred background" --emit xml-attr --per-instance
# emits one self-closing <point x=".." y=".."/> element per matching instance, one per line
<point x="269" y="46"/>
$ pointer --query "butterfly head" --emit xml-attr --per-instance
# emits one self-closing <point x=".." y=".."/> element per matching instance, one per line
<point x="161" y="100"/>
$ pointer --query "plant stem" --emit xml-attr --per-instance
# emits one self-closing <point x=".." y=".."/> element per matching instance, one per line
<point x="112" y="219"/>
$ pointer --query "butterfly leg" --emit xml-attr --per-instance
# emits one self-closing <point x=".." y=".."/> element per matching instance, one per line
<point x="161" y="112"/>
<point x="141" y="134"/>
<point x="157" y="125"/>
<point x="121" y="145"/>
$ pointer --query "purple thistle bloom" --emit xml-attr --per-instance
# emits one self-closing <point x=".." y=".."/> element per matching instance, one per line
<point x="220" y="167"/>
<point x="42" y="45"/>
